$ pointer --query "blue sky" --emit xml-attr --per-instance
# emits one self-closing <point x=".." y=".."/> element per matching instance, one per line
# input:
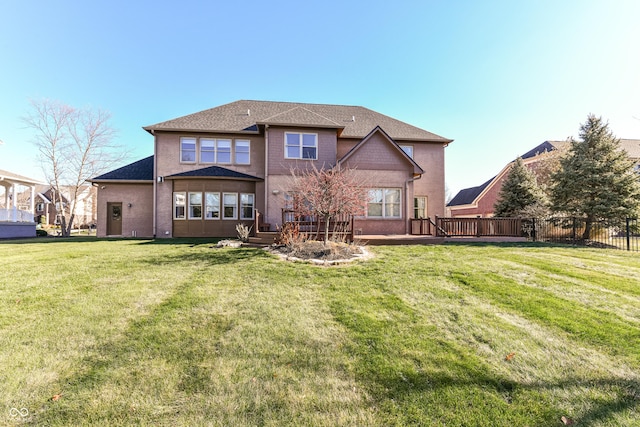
<point x="498" y="77"/>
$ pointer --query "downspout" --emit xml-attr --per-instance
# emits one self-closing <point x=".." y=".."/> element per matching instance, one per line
<point x="155" y="181"/>
<point x="407" y="202"/>
<point x="266" y="173"/>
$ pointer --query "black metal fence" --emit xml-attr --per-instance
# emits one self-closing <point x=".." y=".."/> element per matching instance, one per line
<point x="614" y="234"/>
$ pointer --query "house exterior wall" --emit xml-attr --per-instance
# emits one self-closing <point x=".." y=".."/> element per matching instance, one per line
<point x="136" y="220"/>
<point x="279" y="165"/>
<point x="210" y="227"/>
<point x="430" y="157"/>
<point x="167" y="158"/>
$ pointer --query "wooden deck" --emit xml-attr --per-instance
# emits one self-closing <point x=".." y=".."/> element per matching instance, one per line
<point x="267" y="238"/>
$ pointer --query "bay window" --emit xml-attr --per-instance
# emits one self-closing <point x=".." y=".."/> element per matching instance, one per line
<point x="229" y="205"/>
<point x="179" y="205"/>
<point x="195" y="205"/>
<point x="212" y="205"/>
<point x="247" y="204"/>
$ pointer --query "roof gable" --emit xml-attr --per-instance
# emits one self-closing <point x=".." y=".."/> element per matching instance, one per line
<point x="244" y="116"/>
<point x="417" y="170"/>
<point x="300" y="116"/>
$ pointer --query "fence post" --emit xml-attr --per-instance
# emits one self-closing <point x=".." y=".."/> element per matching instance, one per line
<point x="628" y="234"/>
<point x="573" y="234"/>
<point x="533" y="229"/>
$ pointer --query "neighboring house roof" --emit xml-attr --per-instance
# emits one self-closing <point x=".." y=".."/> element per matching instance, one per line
<point x="468" y="195"/>
<point x="416" y="168"/>
<point x="243" y="117"/>
<point x="142" y="170"/>
<point x="214" y="172"/>
<point x="17" y="179"/>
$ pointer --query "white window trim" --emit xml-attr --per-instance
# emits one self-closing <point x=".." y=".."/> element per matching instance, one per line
<point x="184" y="194"/>
<point x="253" y="206"/>
<point x="286" y="156"/>
<point x="383" y="216"/>
<point x="195" y="153"/>
<point x="189" y="205"/>
<point x="205" y="206"/>
<point x="235" y="213"/>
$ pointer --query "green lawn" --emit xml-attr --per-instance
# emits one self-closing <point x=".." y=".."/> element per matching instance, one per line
<point x="177" y="333"/>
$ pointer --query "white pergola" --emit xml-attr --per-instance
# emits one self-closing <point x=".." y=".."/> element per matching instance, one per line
<point x="10" y="181"/>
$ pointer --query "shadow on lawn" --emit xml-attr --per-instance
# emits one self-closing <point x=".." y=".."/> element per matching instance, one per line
<point x="209" y="256"/>
<point x="407" y="386"/>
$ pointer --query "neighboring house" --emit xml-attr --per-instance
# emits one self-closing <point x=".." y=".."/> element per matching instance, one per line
<point x="47" y="205"/>
<point x="16" y="219"/>
<point x="213" y="169"/>
<point x="479" y="201"/>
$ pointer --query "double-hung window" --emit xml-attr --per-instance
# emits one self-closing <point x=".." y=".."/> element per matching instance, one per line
<point x="384" y="203"/>
<point x="223" y="151"/>
<point x="247" y="203"/>
<point x="243" y="148"/>
<point x="229" y="205"/>
<point x="179" y="205"/>
<point x="195" y="205"/>
<point x="188" y="150"/>
<point x="212" y="205"/>
<point x="207" y="150"/>
<point x="301" y="146"/>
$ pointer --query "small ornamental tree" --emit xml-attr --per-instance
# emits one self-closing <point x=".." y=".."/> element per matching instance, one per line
<point x="520" y="195"/>
<point x="596" y="180"/>
<point x="328" y="194"/>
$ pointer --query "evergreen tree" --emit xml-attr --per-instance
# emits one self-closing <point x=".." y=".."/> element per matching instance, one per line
<point x="596" y="180"/>
<point x="520" y="195"/>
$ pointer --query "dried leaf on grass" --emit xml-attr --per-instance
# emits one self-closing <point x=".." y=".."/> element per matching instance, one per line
<point x="510" y="356"/>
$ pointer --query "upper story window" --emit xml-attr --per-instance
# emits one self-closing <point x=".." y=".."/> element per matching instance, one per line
<point x="408" y="149"/>
<point x="223" y="154"/>
<point x="207" y="150"/>
<point x="215" y="150"/>
<point x="188" y="150"/>
<point x="301" y="146"/>
<point x="243" y="149"/>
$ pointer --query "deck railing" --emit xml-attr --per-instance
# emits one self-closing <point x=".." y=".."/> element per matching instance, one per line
<point x="15" y="215"/>
<point x="340" y="227"/>
<point x="479" y="227"/>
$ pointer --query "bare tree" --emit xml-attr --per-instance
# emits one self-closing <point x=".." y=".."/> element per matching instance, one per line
<point x="74" y="145"/>
<point x="328" y="193"/>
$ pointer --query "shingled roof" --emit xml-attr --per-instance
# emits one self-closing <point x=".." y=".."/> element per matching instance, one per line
<point x="214" y="172"/>
<point x="142" y="170"/>
<point x="468" y="195"/>
<point x="244" y="116"/>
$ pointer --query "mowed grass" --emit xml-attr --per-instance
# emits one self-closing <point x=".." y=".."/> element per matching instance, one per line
<point x="178" y="333"/>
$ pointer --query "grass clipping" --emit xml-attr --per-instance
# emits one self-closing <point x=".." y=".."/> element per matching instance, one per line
<point x="320" y="253"/>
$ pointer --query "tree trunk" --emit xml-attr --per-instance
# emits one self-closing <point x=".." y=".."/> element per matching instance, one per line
<point x="587" y="228"/>
<point x="326" y="229"/>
